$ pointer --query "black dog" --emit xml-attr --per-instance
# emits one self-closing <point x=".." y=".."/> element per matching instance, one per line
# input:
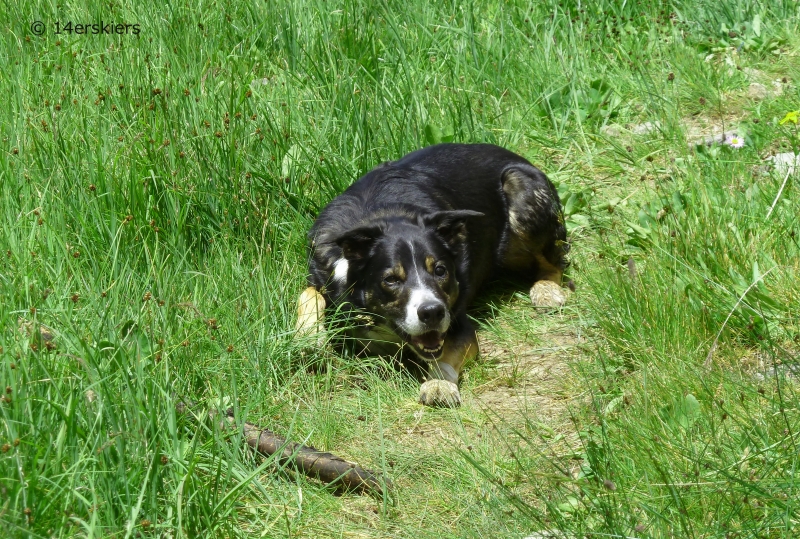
<point x="410" y="243"/>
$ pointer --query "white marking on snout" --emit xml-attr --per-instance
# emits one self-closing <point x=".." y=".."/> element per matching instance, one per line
<point x="340" y="271"/>
<point x="419" y="296"/>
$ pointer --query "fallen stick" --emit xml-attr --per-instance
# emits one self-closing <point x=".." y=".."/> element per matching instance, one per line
<point x="326" y="467"/>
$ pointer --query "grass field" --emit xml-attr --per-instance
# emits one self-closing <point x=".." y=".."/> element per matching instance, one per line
<point x="155" y="191"/>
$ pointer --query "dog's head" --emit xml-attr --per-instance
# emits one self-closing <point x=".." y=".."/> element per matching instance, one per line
<point x="405" y="271"/>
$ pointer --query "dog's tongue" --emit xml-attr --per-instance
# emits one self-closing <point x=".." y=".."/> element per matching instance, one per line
<point x="430" y="340"/>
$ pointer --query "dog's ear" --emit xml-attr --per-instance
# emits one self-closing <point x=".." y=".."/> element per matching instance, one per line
<point x="357" y="243"/>
<point x="451" y="225"/>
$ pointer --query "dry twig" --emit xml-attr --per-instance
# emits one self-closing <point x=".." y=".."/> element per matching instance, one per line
<point x="326" y="467"/>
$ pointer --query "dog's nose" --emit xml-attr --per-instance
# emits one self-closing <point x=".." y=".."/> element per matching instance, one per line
<point x="431" y="313"/>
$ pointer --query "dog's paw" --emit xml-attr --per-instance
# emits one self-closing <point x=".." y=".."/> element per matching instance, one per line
<point x="548" y="294"/>
<point x="311" y="341"/>
<point x="310" y="326"/>
<point x="439" y="393"/>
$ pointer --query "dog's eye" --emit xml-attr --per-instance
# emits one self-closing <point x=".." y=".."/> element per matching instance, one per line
<point x="440" y="271"/>
<point x="391" y="280"/>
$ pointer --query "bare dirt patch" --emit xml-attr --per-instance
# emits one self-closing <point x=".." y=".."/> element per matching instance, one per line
<point x="533" y="376"/>
<point x="525" y="375"/>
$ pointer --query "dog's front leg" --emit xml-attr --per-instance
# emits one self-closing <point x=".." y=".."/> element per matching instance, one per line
<point x="441" y="388"/>
<point x="311" y="315"/>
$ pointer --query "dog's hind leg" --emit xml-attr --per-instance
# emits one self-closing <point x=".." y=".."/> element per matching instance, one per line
<point x="311" y="315"/>
<point x="441" y="388"/>
<point x="536" y="243"/>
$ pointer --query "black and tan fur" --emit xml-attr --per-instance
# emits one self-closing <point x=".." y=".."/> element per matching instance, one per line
<point x="410" y="244"/>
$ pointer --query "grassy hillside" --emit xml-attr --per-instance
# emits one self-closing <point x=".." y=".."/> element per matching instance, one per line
<point x="155" y="191"/>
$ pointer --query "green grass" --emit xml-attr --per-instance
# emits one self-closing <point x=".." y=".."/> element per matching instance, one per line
<point x="155" y="191"/>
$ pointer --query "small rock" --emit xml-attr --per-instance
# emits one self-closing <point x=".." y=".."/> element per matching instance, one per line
<point x="255" y="83"/>
<point x="752" y="73"/>
<point x="785" y="163"/>
<point x="781" y="371"/>
<point x="27" y="327"/>
<point x="713" y="139"/>
<point x="757" y="91"/>
<point x="645" y="128"/>
<point x="612" y="130"/>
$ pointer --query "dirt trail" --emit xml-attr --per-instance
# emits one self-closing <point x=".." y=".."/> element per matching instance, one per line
<point x="533" y="379"/>
<point x="525" y="373"/>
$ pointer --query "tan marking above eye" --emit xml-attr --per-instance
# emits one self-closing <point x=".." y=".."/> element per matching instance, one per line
<point x="451" y="298"/>
<point x="430" y="264"/>
<point x="399" y="271"/>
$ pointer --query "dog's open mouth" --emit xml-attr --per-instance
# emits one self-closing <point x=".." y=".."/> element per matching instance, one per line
<point x="428" y="345"/>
